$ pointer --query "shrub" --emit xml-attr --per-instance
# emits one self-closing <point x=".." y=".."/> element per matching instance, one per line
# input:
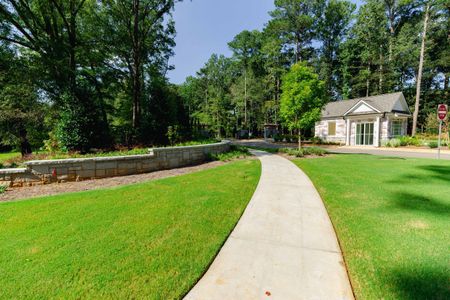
<point x="52" y="144"/>
<point x="433" y="144"/>
<point x="394" y="143"/>
<point x="314" y="151"/>
<point x="304" y="151"/>
<point x="292" y="152"/>
<point x="173" y="134"/>
<point x="278" y="138"/>
<point x="410" y="141"/>
<point x="3" y="189"/>
<point x="235" y="152"/>
<point x="317" y="140"/>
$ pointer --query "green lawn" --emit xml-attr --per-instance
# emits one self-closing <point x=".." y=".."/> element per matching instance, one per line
<point x="151" y="240"/>
<point x="8" y="155"/>
<point x="392" y="218"/>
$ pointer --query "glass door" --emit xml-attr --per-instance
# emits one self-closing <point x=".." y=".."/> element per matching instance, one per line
<point x="364" y="134"/>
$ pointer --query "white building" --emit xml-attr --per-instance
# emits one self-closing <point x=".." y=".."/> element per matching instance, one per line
<point x="364" y="121"/>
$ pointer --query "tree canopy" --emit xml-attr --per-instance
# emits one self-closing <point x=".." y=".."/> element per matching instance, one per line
<point x="78" y="75"/>
<point x="302" y="99"/>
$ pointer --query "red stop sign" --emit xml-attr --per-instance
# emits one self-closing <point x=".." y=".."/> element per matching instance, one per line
<point x="442" y="111"/>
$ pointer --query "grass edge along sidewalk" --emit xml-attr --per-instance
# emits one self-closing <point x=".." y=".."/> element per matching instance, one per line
<point x="145" y="240"/>
<point x="391" y="216"/>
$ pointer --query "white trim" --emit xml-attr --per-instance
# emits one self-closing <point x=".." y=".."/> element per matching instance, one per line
<point x="376" y="133"/>
<point x="349" y="131"/>
<point x="356" y="105"/>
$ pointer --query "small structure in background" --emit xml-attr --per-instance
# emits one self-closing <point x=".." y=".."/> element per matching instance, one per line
<point x="270" y="130"/>
<point x="368" y="121"/>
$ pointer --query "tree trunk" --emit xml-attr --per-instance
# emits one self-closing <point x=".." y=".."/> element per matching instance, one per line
<point x="25" y="147"/>
<point x="245" y="100"/>
<point x="380" y="84"/>
<point x="72" y="44"/>
<point x="368" y="81"/>
<point x="446" y="81"/>
<point x="277" y="100"/>
<point x="392" y="32"/>
<point x="136" y="68"/>
<point x="299" y="139"/>
<point x="419" y="74"/>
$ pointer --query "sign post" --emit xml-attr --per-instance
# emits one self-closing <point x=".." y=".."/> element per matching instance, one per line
<point x="442" y="114"/>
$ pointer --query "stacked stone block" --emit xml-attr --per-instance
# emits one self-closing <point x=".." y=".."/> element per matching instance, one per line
<point x="49" y="171"/>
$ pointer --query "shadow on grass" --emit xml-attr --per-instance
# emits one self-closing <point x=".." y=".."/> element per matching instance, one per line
<point x="410" y="201"/>
<point x="438" y="172"/>
<point x="421" y="283"/>
<point x="391" y="158"/>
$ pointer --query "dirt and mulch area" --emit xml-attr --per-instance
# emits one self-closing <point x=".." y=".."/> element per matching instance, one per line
<point x="59" y="188"/>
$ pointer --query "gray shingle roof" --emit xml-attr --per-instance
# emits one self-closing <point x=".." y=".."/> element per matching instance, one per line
<point x="384" y="103"/>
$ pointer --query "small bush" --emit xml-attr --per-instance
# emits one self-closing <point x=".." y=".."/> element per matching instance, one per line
<point x="3" y="189"/>
<point x="410" y="141"/>
<point x="278" y="138"/>
<point x="235" y="152"/>
<point x="304" y="151"/>
<point x="393" y="143"/>
<point x="317" y="140"/>
<point x="433" y="144"/>
<point x="292" y="152"/>
<point x="314" y="151"/>
<point x="173" y="134"/>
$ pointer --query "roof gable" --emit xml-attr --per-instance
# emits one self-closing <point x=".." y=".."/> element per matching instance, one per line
<point x="387" y="103"/>
<point x="362" y="107"/>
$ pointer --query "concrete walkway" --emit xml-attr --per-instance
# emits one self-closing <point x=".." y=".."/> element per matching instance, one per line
<point x="284" y="246"/>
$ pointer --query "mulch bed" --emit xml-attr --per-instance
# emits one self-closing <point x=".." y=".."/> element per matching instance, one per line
<point x="59" y="188"/>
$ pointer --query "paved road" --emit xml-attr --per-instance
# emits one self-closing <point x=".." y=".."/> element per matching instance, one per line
<point x="284" y="246"/>
<point x="406" y="153"/>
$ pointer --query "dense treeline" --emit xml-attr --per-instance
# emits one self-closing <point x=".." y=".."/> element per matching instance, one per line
<point x="373" y="50"/>
<point x="86" y="74"/>
<point x="83" y="74"/>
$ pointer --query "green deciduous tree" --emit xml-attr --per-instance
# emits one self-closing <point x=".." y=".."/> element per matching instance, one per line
<point x="302" y="98"/>
<point x="21" y="114"/>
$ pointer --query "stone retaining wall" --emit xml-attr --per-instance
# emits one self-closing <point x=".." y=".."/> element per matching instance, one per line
<point x="49" y="171"/>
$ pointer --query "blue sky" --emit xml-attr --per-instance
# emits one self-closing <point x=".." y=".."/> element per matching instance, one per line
<point x="205" y="27"/>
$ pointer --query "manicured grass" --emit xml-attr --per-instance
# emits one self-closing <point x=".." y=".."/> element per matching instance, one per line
<point x="392" y="218"/>
<point x="146" y="241"/>
<point x="8" y="155"/>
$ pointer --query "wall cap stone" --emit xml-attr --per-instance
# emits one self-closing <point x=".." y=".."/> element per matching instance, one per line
<point x="13" y="171"/>
<point x="222" y="143"/>
<point x="120" y="158"/>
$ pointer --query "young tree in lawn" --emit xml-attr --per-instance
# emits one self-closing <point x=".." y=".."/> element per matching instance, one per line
<point x="303" y="96"/>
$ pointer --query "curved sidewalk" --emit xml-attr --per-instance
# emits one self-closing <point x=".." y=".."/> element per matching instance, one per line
<point x="284" y="246"/>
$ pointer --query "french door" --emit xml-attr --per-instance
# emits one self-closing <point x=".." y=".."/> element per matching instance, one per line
<point x="364" y="134"/>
